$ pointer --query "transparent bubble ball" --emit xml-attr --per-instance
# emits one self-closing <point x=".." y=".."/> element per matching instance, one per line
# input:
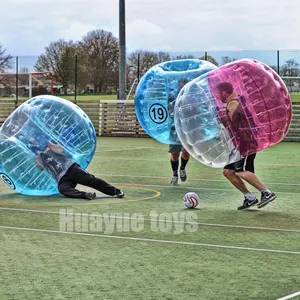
<point x="156" y="95"/>
<point x="234" y="111"/>
<point x="46" y="119"/>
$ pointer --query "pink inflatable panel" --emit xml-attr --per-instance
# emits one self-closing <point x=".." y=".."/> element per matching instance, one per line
<point x="253" y="104"/>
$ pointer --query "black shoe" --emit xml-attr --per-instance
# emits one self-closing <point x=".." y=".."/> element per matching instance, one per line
<point x="248" y="203"/>
<point x="120" y="194"/>
<point x="183" y="175"/>
<point x="174" y="180"/>
<point x="90" y="196"/>
<point x="266" y="198"/>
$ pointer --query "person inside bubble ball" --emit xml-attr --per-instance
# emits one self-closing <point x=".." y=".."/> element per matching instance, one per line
<point x="58" y="163"/>
<point x="242" y="127"/>
<point x="176" y="149"/>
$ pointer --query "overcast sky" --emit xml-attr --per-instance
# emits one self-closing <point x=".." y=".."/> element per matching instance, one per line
<point x="27" y="26"/>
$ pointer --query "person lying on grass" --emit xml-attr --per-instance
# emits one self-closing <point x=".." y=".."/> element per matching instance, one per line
<point x="52" y="158"/>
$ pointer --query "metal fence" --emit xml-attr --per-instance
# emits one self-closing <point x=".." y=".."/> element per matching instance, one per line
<point x="74" y="79"/>
<point x="118" y="118"/>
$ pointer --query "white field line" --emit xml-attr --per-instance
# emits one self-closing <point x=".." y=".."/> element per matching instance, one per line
<point x="152" y="240"/>
<point x="190" y="179"/>
<point x="290" y="296"/>
<point x="165" y="160"/>
<point x="105" y="215"/>
<point x="183" y="187"/>
<point x="190" y="187"/>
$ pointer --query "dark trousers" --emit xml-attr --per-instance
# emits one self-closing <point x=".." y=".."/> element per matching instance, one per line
<point x="76" y="175"/>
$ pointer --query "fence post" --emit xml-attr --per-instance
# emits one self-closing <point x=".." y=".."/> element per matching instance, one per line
<point x="122" y="51"/>
<point x="278" y="63"/>
<point x="75" y="84"/>
<point x="137" y="126"/>
<point x="105" y="117"/>
<point x="205" y="55"/>
<point x="100" y="118"/>
<point x="138" y="67"/>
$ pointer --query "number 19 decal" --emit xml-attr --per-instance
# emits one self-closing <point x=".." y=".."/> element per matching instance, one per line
<point x="158" y="113"/>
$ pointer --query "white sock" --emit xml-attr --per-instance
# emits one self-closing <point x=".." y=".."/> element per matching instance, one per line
<point x="264" y="190"/>
<point x="250" y="196"/>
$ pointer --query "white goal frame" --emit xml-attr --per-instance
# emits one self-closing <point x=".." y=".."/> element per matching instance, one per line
<point x="31" y="74"/>
<point x="31" y="79"/>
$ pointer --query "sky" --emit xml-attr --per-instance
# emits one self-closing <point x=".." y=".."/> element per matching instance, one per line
<point x="190" y="26"/>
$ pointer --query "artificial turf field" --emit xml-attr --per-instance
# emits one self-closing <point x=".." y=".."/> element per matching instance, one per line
<point x="147" y="245"/>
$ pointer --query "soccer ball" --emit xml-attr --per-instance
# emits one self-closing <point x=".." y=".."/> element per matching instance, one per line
<point x="191" y="200"/>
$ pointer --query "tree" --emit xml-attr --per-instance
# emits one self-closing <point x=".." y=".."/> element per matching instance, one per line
<point x="5" y="63"/>
<point x="274" y="68"/>
<point x="143" y="60"/>
<point x="184" y="57"/>
<point x="59" y="59"/>
<point x="148" y="59"/>
<point x="227" y="59"/>
<point x="210" y="59"/>
<point x="100" y="54"/>
<point x="290" y="68"/>
<point x="163" y="56"/>
<point x="5" y="60"/>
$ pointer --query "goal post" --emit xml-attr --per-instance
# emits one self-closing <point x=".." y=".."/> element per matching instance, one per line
<point x="24" y="84"/>
<point x="33" y="76"/>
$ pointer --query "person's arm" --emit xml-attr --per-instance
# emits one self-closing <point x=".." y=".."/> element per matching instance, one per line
<point x="223" y="116"/>
<point x="232" y="106"/>
<point x="39" y="164"/>
<point x="55" y="148"/>
<point x="171" y="96"/>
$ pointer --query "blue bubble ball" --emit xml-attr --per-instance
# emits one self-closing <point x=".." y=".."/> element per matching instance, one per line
<point x="157" y="92"/>
<point x="27" y="132"/>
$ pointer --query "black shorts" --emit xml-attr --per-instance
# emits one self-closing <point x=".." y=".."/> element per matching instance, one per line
<point x="245" y="164"/>
<point x="175" y="148"/>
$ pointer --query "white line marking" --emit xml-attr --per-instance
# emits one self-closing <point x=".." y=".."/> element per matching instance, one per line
<point x="190" y="179"/>
<point x="192" y="188"/>
<point x="287" y="164"/>
<point x="182" y="186"/>
<point x="104" y="215"/>
<point x="289" y="296"/>
<point x="153" y="240"/>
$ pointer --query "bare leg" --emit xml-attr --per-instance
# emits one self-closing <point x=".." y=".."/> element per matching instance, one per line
<point x="235" y="181"/>
<point x="175" y="156"/>
<point x="185" y="155"/>
<point x="252" y="179"/>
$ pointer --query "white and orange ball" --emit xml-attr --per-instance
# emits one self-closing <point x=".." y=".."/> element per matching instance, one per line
<point x="191" y="200"/>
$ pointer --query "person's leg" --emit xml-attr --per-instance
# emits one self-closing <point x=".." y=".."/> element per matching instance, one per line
<point x="252" y="179"/>
<point x="185" y="156"/>
<point x="236" y="181"/>
<point x="246" y="172"/>
<point x="80" y="176"/>
<point x="174" y="150"/>
<point x="67" y="188"/>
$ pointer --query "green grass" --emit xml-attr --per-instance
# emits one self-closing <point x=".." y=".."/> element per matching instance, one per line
<point x="45" y="265"/>
<point x="295" y="96"/>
